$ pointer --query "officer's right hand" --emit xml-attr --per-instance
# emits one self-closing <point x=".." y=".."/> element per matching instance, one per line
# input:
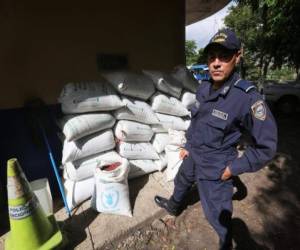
<point x="183" y="153"/>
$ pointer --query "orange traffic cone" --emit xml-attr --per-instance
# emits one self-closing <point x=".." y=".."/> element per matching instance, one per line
<point x="30" y="228"/>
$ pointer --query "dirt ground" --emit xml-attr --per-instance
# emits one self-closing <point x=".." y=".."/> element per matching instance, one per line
<point x="266" y="208"/>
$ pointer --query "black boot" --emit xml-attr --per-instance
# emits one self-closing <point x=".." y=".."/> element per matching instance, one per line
<point x="172" y="207"/>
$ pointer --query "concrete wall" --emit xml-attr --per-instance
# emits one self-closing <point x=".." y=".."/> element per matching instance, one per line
<point x="44" y="44"/>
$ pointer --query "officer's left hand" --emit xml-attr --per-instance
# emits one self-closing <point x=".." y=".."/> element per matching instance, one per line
<point x="226" y="174"/>
<point x="183" y="153"/>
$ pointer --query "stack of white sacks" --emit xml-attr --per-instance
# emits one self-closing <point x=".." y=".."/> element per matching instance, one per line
<point x="110" y="137"/>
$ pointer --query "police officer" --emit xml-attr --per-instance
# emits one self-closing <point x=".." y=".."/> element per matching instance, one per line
<point x="225" y="105"/>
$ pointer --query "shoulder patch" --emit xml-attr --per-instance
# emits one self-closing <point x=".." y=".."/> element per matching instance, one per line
<point x="259" y="110"/>
<point x="244" y="85"/>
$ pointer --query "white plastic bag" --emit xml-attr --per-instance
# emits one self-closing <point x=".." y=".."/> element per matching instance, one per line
<point x="131" y="84"/>
<point x="133" y="131"/>
<point x="162" y="162"/>
<point x="173" y="122"/>
<point x="165" y="82"/>
<point x="141" y="167"/>
<point x="85" y="168"/>
<point x="187" y="123"/>
<point x="188" y="99"/>
<point x="174" y="161"/>
<point x="111" y="194"/>
<point x="76" y="127"/>
<point x="136" y="111"/>
<point x="89" y="145"/>
<point x="177" y="138"/>
<point x="160" y="141"/>
<point x="182" y="74"/>
<point x="78" y="191"/>
<point x="168" y="105"/>
<point x="137" y="151"/>
<point x="89" y="97"/>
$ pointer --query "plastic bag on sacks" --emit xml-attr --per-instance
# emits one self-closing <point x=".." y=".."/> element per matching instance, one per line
<point x="174" y="161"/>
<point x="187" y="123"/>
<point x="141" y="167"/>
<point x="111" y="193"/>
<point x="85" y="168"/>
<point x="89" y="97"/>
<point x="169" y="121"/>
<point x="188" y="99"/>
<point x="137" y="151"/>
<point x="162" y="162"/>
<point x="177" y="138"/>
<point x="182" y="74"/>
<point x="87" y="146"/>
<point x="135" y="110"/>
<point x="131" y="84"/>
<point x="78" y="191"/>
<point x="168" y="105"/>
<point x="76" y="127"/>
<point x="165" y="82"/>
<point x="129" y="131"/>
<point x="160" y="141"/>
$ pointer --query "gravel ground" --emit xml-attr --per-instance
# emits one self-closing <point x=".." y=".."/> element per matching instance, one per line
<point x="266" y="208"/>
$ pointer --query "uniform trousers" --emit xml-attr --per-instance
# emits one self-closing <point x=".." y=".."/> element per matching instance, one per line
<point x="215" y="197"/>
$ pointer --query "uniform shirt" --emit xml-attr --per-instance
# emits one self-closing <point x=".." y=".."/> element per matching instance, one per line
<point x="216" y="123"/>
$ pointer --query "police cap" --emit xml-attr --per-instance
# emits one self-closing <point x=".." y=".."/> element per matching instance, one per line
<point x="226" y="38"/>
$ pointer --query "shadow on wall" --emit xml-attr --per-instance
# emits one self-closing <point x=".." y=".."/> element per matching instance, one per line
<point x="21" y="139"/>
<point x="278" y="202"/>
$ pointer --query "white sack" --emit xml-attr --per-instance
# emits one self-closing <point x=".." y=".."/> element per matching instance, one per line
<point x="136" y="111"/>
<point x="131" y="84"/>
<point x="177" y="138"/>
<point x="168" y="105"/>
<point x="160" y="141"/>
<point x="141" y="167"/>
<point x="111" y="194"/>
<point x="89" y="97"/>
<point x="162" y="162"/>
<point x="165" y="82"/>
<point x="137" y="151"/>
<point x="78" y="191"/>
<point x="89" y="145"/>
<point x="158" y="128"/>
<point x="76" y="127"/>
<point x="174" y="162"/>
<point x="133" y="131"/>
<point x="85" y="168"/>
<point x="173" y="122"/>
<point x="188" y="99"/>
<point x="182" y="74"/>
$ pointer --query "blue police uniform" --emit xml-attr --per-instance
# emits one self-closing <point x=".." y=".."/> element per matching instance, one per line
<point x="217" y="119"/>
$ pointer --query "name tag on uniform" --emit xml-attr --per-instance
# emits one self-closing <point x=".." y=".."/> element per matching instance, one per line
<point x="219" y="114"/>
